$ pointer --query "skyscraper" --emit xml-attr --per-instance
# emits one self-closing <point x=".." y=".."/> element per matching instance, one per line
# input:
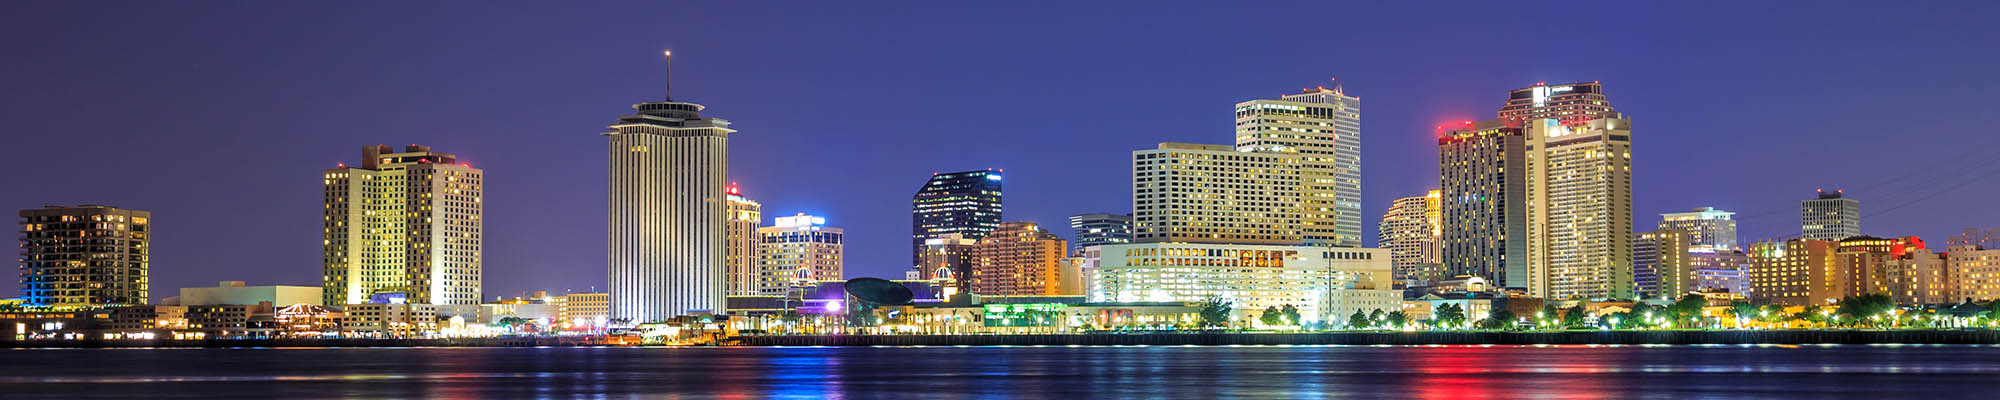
<point x="85" y="255"/>
<point x="667" y="211"/>
<point x="1580" y="208"/>
<point x="1830" y="217"/>
<point x="1412" y="232"/>
<point x="803" y="248"/>
<point x="1322" y="126"/>
<point x="745" y="277"/>
<point x="1572" y="104"/>
<point x="404" y="222"/>
<point x="965" y="202"/>
<point x="1205" y="193"/>
<point x="1660" y="263"/>
<point x="1096" y="229"/>
<point x="1022" y="259"/>
<point x="1710" y="228"/>
<point x="1482" y="174"/>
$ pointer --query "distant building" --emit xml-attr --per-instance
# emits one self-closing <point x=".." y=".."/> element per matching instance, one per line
<point x="746" y="275"/>
<point x="1326" y="284"/>
<point x="234" y="292"/>
<point x="1719" y="271"/>
<point x="403" y="222"/>
<point x="1204" y="193"/>
<point x="947" y="262"/>
<point x="389" y="320"/>
<point x="1323" y="127"/>
<point x="1709" y="227"/>
<point x="1797" y="272"/>
<point x="1482" y="171"/>
<point x="1660" y="264"/>
<point x="585" y="306"/>
<point x="85" y="255"/>
<point x="1973" y="272"/>
<point x="802" y="247"/>
<point x="1412" y="231"/>
<point x="1830" y="217"/>
<point x="1571" y="104"/>
<point x="1580" y="208"/>
<point x="1988" y="238"/>
<point x="667" y="254"/>
<point x="1022" y="259"/>
<point x="1096" y="229"/>
<point x="965" y="202"/>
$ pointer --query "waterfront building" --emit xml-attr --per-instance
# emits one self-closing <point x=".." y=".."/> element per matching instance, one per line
<point x="1661" y="265"/>
<point x="389" y="319"/>
<point x="1326" y="284"/>
<point x="1203" y="193"/>
<point x="1482" y="175"/>
<point x="801" y="247"/>
<point x="1918" y="277"/>
<point x="229" y="321"/>
<point x="1830" y="217"/>
<point x="746" y="275"/>
<point x="1022" y="259"/>
<point x="1099" y="229"/>
<point x="1717" y="271"/>
<point x="1863" y="262"/>
<point x="947" y="262"/>
<point x="234" y="292"/>
<point x="1580" y="208"/>
<point x="1323" y="127"/>
<point x="85" y="256"/>
<point x="1974" y="272"/>
<point x="966" y="203"/>
<point x="584" y="306"/>
<point x="1412" y="232"/>
<point x="543" y="313"/>
<point x="1797" y="272"/>
<point x="1709" y="228"/>
<point x="668" y="213"/>
<point x="403" y="222"/>
<point x="1571" y="104"/>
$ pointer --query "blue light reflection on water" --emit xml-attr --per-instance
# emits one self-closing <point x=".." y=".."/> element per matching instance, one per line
<point x="1000" y="372"/>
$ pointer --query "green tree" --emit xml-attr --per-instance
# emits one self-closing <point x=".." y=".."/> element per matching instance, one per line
<point x="1291" y="315"/>
<point x="1865" y="308"/>
<point x="1397" y="319"/>
<point x="1272" y="317"/>
<point x="1548" y="316"/>
<point x="1498" y="320"/>
<point x="1574" y="316"/>
<point x="1744" y="310"/>
<point x="1215" y="312"/>
<point x="1357" y="321"/>
<point x="1449" y="316"/>
<point x="1376" y="316"/>
<point x="1686" y="308"/>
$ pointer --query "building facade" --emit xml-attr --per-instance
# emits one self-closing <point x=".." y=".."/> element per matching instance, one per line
<point x="1660" y="264"/>
<point x="1798" y="272"/>
<point x="668" y="214"/>
<point x="235" y="292"/>
<point x="1708" y="227"/>
<point x="1202" y="193"/>
<point x="1482" y="171"/>
<point x="1323" y="127"/>
<point x="745" y="276"/>
<point x="947" y="262"/>
<point x="1570" y="103"/>
<point x="584" y="306"/>
<point x="1326" y="285"/>
<point x="1580" y="209"/>
<point x="1099" y="229"/>
<point x="803" y="249"/>
<point x="403" y="222"/>
<point x="1022" y="259"/>
<point x="1412" y="231"/>
<point x="966" y="203"/>
<point x="85" y="255"/>
<point x="1830" y="217"/>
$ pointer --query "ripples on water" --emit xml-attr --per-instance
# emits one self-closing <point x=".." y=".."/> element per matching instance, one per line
<point x="1453" y="372"/>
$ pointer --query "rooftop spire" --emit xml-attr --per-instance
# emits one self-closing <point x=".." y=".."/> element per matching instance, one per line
<point x="670" y="73"/>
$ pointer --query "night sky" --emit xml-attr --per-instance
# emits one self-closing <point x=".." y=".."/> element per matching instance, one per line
<point x="219" y="117"/>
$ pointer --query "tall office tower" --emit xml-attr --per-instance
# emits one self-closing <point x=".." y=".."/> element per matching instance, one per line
<point x="1711" y="228"/>
<point x="947" y="261"/>
<point x="1205" y="193"/>
<point x="1022" y="259"/>
<point x="668" y="213"/>
<point x="1660" y="267"/>
<point x="1099" y="229"/>
<point x="85" y="255"/>
<point x="965" y="202"/>
<point x="1482" y="174"/>
<point x="745" y="277"/>
<point x="1572" y="103"/>
<point x="1323" y="126"/>
<point x="1580" y="208"/>
<point x="1830" y="217"/>
<point x="803" y="247"/>
<point x="403" y="222"/>
<point x="1797" y="272"/>
<point x="1865" y="262"/>
<point x="1411" y="231"/>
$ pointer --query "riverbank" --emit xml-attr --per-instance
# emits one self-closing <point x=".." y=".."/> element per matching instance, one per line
<point x="306" y="342"/>
<point x="1397" y="338"/>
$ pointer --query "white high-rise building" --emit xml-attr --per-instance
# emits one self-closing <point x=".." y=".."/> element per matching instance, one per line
<point x="403" y="224"/>
<point x="801" y="249"/>
<point x="1205" y="193"/>
<point x="1580" y="208"/>
<point x="1710" y="229"/>
<point x="1322" y="126"/>
<point x="668" y="211"/>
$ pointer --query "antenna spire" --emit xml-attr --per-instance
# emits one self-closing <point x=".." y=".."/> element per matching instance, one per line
<point x="670" y="73"/>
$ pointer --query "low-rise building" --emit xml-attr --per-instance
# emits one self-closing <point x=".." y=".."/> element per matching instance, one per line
<point x="234" y="292"/>
<point x="389" y="319"/>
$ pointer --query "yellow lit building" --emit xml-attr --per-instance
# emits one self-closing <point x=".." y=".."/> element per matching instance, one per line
<point x="745" y="277"/>
<point x="1323" y="127"/>
<point x="1326" y="284"/>
<point x="403" y="222"/>
<point x="1204" y="193"/>
<point x="1795" y="272"/>
<point x="1022" y="259"/>
<point x="1580" y="208"/>
<point x="85" y="256"/>
<point x="584" y="306"/>
<point x="1411" y="231"/>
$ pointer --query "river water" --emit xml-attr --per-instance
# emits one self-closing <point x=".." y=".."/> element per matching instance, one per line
<point x="1444" y="372"/>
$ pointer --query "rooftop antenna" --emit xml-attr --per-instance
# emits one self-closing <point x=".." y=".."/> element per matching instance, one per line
<point x="670" y="73"/>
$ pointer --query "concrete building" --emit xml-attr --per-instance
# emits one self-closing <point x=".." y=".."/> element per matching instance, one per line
<point x="234" y="292"/>
<point x="1709" y="228"/>
<point x="1797" y="272"/>
<point x="403" y="222"/>
<point x="1570" y="103"/>
<point x="1326" y="284"/>
<point x="1919" y="277"/>
<point x="1973" y="272"/>
<point x="947" y="262"/>
<point x="1830" y="217"/>
<point x="1661" y="267"/>
<point x="585" y="306"/>
<point x="85" y="256"/>
<point x="1580" y="208"/>
<point x="1323" y="127"/>
<point x="1482" y="174"/>
<point x="389" y="320"/>
<point x="1412" y="231"/>
<point x="668" y="213"/>
<point x="745" y="273"/>
<point x="1095" y="229"/>
<point x="966" y="203"/>
<point x="494" y="312"/>
<point x="1022" y="259"/>
<point x="803" y="248"/>
<point x="1203" y="193"/>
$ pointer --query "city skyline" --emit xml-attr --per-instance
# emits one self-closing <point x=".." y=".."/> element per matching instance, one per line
<point x="546" y="224"/>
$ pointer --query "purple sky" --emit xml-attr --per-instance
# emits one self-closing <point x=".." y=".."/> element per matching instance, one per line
<point x="219" y="117"/>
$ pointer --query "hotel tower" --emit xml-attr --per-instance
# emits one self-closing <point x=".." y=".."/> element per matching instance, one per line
<point x="668" y="211"/>
<point x="404" y="224"/>
<point x="1323" y="127"/>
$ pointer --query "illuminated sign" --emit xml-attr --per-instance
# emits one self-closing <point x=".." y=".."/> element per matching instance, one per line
<point x="992" y="177"/>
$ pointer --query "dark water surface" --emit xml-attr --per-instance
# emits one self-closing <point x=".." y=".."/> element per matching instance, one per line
<point x="1450" y="372"/>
